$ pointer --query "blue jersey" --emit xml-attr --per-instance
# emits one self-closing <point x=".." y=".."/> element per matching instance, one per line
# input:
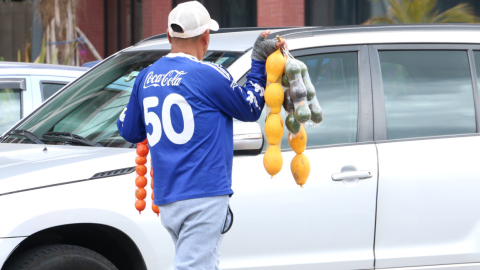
<point x="185" y="108"/>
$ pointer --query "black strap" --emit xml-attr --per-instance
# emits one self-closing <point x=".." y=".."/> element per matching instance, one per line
<point x="229" y="212"/>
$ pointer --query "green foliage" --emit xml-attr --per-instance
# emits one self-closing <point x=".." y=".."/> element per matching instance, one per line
<point x="1" y="58"/>
<point x="54" y="57"/>
<point x="424" y="11"/>
<point x="72" y="49"/>
<point x="42" y="57"/>
<point x="43" y="52"/>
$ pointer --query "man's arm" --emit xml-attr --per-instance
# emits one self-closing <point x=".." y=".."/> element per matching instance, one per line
<point x="243" y="103"/>
<point x="130" y="123"/>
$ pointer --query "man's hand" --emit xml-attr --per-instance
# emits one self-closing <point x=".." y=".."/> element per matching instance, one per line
<point x="264" y="47"/>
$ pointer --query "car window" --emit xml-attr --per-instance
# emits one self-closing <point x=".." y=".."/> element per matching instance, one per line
<point x="48" y="89"/>
<point x="10" y="107"/>
<point x="225" y="59"/>
<point x="427" y="93"/>
<point x="335" y="78"/>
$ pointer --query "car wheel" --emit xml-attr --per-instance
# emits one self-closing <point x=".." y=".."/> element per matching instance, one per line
<point x="61" y="257"/>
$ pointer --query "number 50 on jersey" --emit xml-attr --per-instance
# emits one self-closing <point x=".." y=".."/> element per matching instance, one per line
<point x="153" y="119"/>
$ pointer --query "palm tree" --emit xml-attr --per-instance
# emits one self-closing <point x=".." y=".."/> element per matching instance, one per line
<point x="424" y="11"/>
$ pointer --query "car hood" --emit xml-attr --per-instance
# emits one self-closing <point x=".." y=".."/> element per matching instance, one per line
<point x="26" y="166"/>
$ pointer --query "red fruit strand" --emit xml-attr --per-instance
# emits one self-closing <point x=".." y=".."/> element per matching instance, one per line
<point x="155" y="209"/>
<point x="141" y="170"/>
<point x="141" y="181"/>
<point x="140" y="205"/>
<point x="141" y="160"/>
<point x="141" y="193"/>
<point x="142" y="150"/>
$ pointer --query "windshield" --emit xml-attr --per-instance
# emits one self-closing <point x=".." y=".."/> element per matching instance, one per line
<point x="87" y="110"/>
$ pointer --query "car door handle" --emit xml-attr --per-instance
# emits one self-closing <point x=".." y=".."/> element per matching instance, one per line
<point x="351" y="175"/>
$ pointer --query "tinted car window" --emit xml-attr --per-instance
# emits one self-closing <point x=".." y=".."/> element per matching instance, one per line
<point x="225" y="59"/>
<point x="48" y="89"/>
<point x="10" y="108"/>
<point x="335" y="78"/>
<point x="427" y="93"/>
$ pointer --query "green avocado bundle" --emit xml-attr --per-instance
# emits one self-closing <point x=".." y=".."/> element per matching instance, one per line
<point x="300" y="101"/>
<point x="301" y="106"/>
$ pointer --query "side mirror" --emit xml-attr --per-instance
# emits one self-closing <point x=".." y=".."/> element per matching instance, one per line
<point x="247" y="138"/>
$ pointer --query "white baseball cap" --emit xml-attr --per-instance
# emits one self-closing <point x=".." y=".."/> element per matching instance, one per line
<point x="193" y="18"/>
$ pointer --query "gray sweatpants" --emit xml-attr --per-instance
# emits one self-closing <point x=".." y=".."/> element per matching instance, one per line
<point x="196" y="227"/>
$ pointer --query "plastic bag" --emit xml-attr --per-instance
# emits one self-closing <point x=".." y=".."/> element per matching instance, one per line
<point x="316" y="116"/>
<point x="301" y="99"/>
<point x="298" y="91"/>
<point x="296" y="105"/>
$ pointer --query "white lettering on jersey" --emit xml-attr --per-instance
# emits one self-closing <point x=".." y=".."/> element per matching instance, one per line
<point x="234" y="85"/>
<point x="123" y="114"/>
<point x="187" y="114"/>
<point x="172" y="78"/>
<point x="152" y="118"/>
<point x="219" y="69"/>
<point x="251" y="98"/>
<point x="258" y="88"/>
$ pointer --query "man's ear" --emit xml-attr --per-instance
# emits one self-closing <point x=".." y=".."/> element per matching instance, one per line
<point x="169" y="37"/>
<point x="206" y="37"/>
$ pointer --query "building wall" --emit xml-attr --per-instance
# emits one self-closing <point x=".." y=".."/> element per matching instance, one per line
<point x="112" y="25"/>
<point x="341" y="12"/>
<point x="232" y="13"/>
<point x="280" y="13"/>
<point x="15" y="29"/>
<point x="109" y="31"/>
<point x="155" y="16"/>
<point x="90" y="20"/>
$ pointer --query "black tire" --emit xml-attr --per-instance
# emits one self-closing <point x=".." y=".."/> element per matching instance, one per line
<point x="61" y="257"/>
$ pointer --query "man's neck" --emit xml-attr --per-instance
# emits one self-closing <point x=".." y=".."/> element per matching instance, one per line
<point x="188" y="50"/>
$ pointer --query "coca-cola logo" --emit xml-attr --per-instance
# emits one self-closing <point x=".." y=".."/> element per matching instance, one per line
<point x="172" y="78"/>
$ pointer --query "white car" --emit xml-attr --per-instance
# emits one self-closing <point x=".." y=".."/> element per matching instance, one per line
<point x="24" y="86"/>
<point x="394" y="181"/>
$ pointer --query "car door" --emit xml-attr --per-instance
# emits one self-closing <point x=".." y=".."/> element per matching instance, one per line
<point x="426" y="130"/>
<point x="326" y="224"/>
<point x="15" y="100"/>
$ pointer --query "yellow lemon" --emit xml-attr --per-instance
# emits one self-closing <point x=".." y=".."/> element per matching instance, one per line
<point x="274" y="128"/>
<point x="300" y="168"/>
<point x="275" y="65"/>
<point x="298" y="143"/>
<point x="273" y="160"/>
<point x="274" y="97"/>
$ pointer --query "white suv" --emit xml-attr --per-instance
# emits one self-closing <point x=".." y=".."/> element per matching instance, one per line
<point x="399" y="102"/>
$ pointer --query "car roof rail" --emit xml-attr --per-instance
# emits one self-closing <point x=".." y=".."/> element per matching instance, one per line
<point x="297" y="32"/>
<point x="305" y="31"/>
<point x="389" y="27"/>
<point x="290" y="29"/>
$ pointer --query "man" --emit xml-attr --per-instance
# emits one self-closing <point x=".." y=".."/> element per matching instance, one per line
<point x="185" y="107"/>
